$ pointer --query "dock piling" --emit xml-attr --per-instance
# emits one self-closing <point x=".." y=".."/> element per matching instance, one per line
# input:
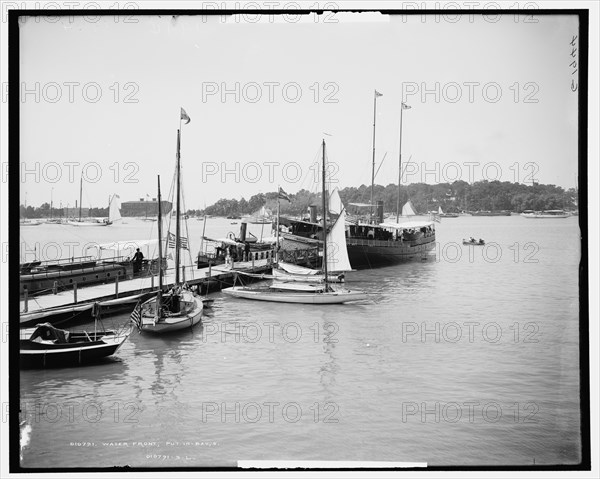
<point x="75" y="292"/>
<point x="55" y="288"/>
<point x="25" y="298"/>
<point x="116" y="286"/>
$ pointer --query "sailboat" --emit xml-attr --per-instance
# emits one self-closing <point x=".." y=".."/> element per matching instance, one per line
<point x="337" y="256"/>
<point x="179" y="308"/>
<point x="260" y="217"/>
<point x="304" y="293"/>
<point x="113" y="212"/>
<point x="446" y="215"/>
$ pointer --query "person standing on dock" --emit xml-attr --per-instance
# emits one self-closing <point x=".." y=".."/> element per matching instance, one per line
<point x="138" y="257"/>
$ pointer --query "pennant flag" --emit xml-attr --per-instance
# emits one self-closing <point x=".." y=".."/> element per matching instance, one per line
<point x="405" y="106"/>
<point x="378" y="94"/>
<point x="184" y="116"/>
<point x="183" y="241"/>
<point x="283" y="195"/>
<point x="136" y="316"/>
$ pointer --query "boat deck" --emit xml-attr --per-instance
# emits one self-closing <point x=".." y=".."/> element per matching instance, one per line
<point x="124" y="288"/>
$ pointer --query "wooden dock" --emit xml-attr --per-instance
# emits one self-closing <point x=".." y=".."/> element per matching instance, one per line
<point x="120" y="289"/>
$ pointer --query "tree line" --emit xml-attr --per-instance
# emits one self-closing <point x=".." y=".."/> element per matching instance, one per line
<point x="452" y="197"/>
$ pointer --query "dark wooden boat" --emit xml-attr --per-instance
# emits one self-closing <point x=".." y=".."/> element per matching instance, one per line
<point x="46" y="346"/>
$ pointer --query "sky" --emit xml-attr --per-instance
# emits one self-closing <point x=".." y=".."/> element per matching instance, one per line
<point x="490" y="98"/>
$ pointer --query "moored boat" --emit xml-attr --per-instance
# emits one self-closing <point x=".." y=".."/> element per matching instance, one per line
<point x="545" y="214"/>
<point x="314" y="292"/>
<point x="46" y="346"/>
<point x="179" y="308"/>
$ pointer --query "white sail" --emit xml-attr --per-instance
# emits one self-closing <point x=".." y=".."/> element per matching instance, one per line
<point x="335" y="202"/>
<point x="114" y="213"/>
<point x="337" y="253"/>
<point x="408" y="210"/>
<point x="440" y="210"/>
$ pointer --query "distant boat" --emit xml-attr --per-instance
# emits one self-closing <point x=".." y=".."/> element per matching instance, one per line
<point x="446" y="215"/>
<point x="113" y="212"/>
<point x="29" y="223"/>
<point x="490" y="213"/>
<point x="261" y="217"/>
<point x="473" y="242"/>
<point x="545" y="214"/>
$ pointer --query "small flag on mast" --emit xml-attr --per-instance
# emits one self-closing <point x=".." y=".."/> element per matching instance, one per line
<point x="405" y="106"/>
<point x="283" y="195"/>
<point x="378" y="94"/>
<point x="184" y="116"/>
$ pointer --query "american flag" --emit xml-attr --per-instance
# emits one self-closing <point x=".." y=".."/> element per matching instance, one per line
<point x="183" y="241"/>
<point x="136" y="316"/>
<point x="283" y="195"/>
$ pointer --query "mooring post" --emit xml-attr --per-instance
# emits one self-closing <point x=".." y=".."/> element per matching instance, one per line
<point x="55" y="287"/>
<point x="117" y="286"/>
<point x="75" y="292"/>
<point x="25" y="297"/>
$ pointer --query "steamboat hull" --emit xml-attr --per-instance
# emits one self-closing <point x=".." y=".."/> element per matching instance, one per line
<point x="366" y="254"/>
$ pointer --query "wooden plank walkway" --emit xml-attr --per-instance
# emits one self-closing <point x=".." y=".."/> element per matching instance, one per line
<point x="193" y="276"/>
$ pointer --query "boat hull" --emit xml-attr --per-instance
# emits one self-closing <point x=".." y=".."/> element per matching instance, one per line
<point x="175" y="322"/>
<point x="39" y="355"/>
<point x="365" y="254"/>
<point x="336" y="297"/>
<point x="543" y="216"/>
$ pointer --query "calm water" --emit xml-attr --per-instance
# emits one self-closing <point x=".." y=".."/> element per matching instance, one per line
<point x="470" y="359"/>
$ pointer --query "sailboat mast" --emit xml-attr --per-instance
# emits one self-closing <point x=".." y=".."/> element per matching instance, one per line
<point x="80" y="194"/>
<point x="373" y="167"/>
<point x="177" y="226"/>
<point x="324" y="219"/>
<point x="277" y="242"/>
<point x="399" y="168"/>
<point x="160" y="279"/>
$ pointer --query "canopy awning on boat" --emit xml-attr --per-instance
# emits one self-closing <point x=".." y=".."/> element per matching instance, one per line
<point x="406" y="225"/>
